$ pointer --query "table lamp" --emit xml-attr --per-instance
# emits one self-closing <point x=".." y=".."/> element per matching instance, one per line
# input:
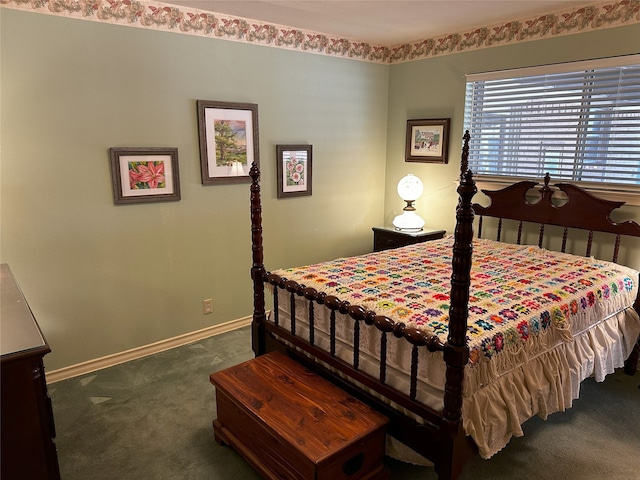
<point x="409" y="188"/>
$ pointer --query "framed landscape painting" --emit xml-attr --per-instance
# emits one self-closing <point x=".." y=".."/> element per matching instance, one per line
<point x="228" y="134"/>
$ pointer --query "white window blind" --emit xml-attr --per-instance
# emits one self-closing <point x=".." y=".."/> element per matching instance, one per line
<point x="578" y="122"/>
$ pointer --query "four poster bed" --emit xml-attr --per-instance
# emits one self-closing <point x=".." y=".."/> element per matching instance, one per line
<point x="459" y="341"/>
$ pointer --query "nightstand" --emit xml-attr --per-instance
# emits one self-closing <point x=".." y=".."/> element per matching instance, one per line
<point x="385" y="238"/>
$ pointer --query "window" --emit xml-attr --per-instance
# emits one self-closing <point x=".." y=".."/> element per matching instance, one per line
<point x="579" y="122"/>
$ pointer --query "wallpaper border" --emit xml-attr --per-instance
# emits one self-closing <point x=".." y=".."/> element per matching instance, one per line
<point x="160" y="16"/>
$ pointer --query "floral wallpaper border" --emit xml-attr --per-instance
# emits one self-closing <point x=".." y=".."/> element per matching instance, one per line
<point x="159" y="16"/>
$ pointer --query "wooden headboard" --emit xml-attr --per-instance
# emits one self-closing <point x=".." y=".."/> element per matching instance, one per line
<point x="580" y="210"/>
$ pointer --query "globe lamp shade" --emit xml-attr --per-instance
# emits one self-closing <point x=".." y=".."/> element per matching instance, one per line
<point x="410" y="188"/>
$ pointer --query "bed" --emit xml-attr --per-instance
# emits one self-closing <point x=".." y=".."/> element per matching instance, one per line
<point x="460" y="340"/>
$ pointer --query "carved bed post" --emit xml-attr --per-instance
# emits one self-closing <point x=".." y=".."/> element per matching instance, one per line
<point x="455" y="446"/>
<point x="631" y="363"/>
<point x="456" y="350"/>
<point x="464" y="158"/>
<point x="257" y="269"/>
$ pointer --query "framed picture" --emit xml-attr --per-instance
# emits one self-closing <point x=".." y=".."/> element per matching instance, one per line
<point x="293" y="170"/>
<point x="228" y="141"/>
<point x="144" y="174"/>
<point x="427" y="140"/>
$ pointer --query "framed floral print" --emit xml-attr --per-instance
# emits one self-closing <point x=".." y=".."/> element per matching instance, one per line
<point x="294" y="170"/>
<point x="144" y="174"/>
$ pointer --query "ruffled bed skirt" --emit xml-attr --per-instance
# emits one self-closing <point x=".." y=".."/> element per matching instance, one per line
<point x="494" y="409"/>
<point x="547" y="383"/>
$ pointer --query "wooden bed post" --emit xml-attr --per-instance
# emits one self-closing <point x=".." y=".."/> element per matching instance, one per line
<point x="258" y="334"/>
<point x="456" y="448"/>
<point x="631" y="363"/>
<point x="464" y="158"/>
<point x="456" y="350"/>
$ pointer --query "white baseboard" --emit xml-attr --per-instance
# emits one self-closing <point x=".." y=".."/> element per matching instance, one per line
<point x="143" y="351"/>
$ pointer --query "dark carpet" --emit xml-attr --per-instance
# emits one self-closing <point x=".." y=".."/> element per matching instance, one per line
<point x="151" y="419"/>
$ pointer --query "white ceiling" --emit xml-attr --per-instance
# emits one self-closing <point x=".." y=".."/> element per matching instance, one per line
<point x="382" y="22"/>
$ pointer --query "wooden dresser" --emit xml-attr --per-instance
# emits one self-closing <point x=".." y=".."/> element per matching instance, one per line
<point x="28" y="447"/>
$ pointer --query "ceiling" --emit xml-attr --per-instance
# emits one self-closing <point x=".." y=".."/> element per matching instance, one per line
<point x="382" y="22"/>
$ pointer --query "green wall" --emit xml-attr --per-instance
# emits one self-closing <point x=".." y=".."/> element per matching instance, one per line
<point x="435" y="88"/>
<point x="101" y="278"/>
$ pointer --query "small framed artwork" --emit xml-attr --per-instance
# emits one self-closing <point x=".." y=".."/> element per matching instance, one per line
<point x="427" y="140"/>
<point x="293" y="170"/>
<point x="229" y="142"/>
<point x="144" y="174"/>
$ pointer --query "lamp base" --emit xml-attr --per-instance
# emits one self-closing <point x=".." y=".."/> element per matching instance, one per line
<point x="408" y="221"/>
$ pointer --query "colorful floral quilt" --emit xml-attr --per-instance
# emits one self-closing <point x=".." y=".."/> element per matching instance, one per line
<point x="536" y="324"/>
<point x="518" y="292"/>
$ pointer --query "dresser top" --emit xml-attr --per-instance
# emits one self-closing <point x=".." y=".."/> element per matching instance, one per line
<point x="19" y="331"/>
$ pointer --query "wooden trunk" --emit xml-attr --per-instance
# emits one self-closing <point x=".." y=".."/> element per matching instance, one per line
<point x="289" y="423"/>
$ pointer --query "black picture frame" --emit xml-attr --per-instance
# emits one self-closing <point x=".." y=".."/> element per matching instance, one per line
<point x="427" y="140"/>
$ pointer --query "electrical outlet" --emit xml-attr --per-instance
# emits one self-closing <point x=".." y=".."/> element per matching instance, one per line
<point x="207" y="306"/>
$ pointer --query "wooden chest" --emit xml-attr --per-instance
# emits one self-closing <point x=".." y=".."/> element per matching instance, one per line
<point x="289" y="423"/>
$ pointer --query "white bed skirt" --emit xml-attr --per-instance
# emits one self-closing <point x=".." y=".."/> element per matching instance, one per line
<point x="493" y="411"/>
